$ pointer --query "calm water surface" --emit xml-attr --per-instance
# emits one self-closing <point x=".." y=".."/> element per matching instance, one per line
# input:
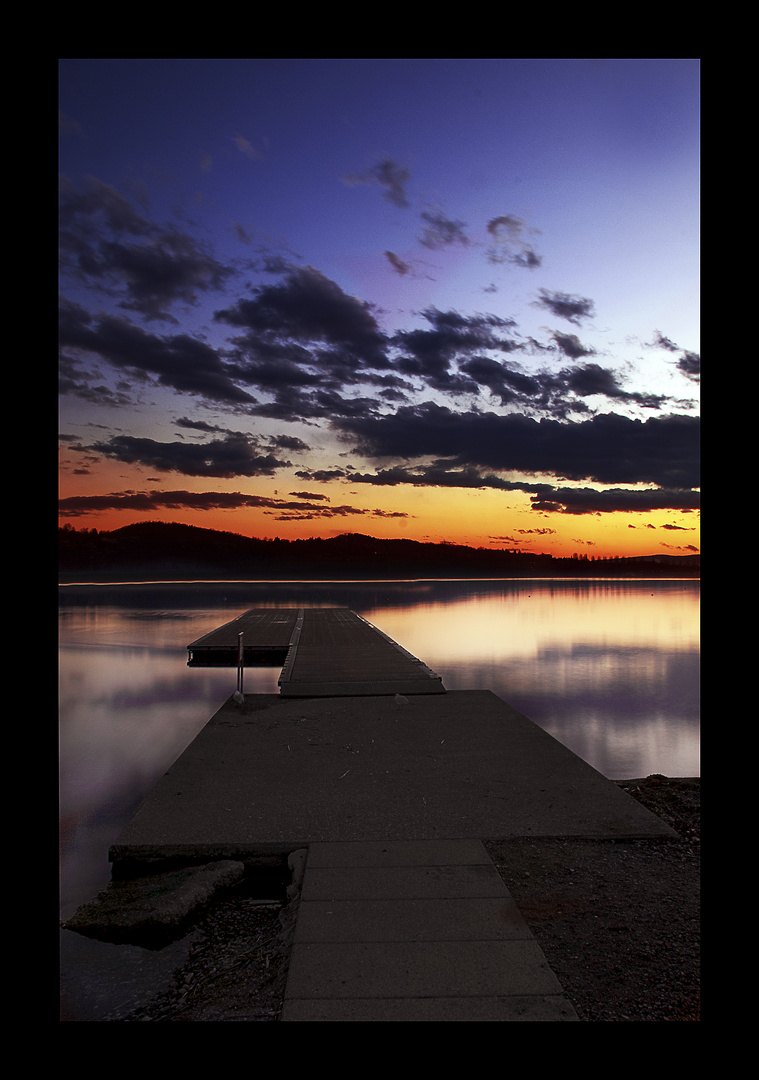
<point x="609" y="667"/>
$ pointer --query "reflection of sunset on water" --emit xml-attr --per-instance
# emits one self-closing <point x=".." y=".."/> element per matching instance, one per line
<point x="532" y="618"/>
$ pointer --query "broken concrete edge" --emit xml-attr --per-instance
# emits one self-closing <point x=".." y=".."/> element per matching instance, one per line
<point x="152" y="910"/>
<point x="165" y="899"/>
<point x="138" y="860"/>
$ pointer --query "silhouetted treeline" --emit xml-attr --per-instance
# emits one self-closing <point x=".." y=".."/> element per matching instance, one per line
<point x="155" y="550"/>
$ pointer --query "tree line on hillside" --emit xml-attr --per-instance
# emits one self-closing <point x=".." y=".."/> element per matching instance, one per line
<point x="170" y="551"/>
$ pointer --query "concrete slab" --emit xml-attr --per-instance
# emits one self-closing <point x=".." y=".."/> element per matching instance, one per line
<point x="276" y="774"/>
<point x="469" y="919"/>
<point x="398" y="853"/>
<point x="420" y="969"/>
<point x="408" y="933"/>
<point x="388" y="882"/>
<point x="449" y="1010"/>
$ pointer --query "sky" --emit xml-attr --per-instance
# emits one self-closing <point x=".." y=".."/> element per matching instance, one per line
<point x="440" y="299"/>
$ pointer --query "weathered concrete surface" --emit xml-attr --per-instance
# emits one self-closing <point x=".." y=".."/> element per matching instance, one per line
<point x="278" y="774"/>
<point x="414" y="932"/>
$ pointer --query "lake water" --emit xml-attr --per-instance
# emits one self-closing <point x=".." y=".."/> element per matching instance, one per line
<point x="609" y="667"/>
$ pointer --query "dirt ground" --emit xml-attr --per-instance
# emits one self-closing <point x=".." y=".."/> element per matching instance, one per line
<point x="618" y="921"/>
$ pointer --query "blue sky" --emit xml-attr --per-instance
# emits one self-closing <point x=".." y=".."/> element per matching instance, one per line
<point x="412" y="292"/>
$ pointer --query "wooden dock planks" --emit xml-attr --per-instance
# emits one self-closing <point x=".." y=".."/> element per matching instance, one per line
<point x="329" y="652"/>
<point x="265" y="632"/>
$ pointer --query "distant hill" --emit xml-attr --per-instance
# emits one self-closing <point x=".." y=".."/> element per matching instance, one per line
<point x="160" y="551"/>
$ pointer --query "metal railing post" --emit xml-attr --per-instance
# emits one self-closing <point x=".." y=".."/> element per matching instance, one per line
<point x="240" y="662"/>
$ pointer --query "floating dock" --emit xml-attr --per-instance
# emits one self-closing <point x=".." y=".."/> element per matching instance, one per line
<point x="325" y="652"/>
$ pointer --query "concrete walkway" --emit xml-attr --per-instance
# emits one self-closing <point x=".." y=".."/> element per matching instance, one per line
<point x="414" y="931"/>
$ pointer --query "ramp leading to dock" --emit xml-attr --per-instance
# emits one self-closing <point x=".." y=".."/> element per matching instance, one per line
<point x="325" y="652"/>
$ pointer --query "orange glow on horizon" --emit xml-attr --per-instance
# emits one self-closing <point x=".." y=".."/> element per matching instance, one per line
<point x="472" y="517"/>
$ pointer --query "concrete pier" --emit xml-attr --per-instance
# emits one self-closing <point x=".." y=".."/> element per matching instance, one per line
<point x="402" y="915"/>
<point x="390" y="785"/>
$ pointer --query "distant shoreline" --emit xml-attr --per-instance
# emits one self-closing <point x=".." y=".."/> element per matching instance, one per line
<point x="76" y="583"/>
<point x="161" y="553"/>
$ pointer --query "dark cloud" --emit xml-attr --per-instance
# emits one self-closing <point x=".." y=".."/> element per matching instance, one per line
<point x="612" y="500"/>
<point x="312" y="353"/>
<point x="506" y="382"/>
<point x="280" y="442"/>
<point x="391" y="177"/>
<point x="589" y="380"/>
<point x="663" y="342"/>
<point x="309" y="309"/>
<point x="509" y="243"/>
<point x="311" y="512"/>
<point x="310" y="408"/>
<point x="180" y="361"/>
<point x="690" y="365"/>
<point x="397" y="263"/>
<point x="551" y="392"/>
<point x="607" y="448"/>
<point x="451" y="335"/>
<point x="75" y="380"/>
<point x="105" y="243"/>
<point x="428" y="353"/>
<point x="545" y="497"/>
<point x="571" y="308"/>
<point x="440" y="231"/>
<point x="320" y="476"/>
<point x="288" y="442"/>
<point x="438" y="475"/>
<point x="236" y="454"/>
<point x="153" y="501"/>
<point x="571" y="345"/>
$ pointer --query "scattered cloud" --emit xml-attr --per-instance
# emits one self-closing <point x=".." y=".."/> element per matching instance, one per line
<point x="154" y="501"/>
<point x="107" y="245"/>
<point x="392" y="177"/>
<point x="572" y="308"/>
<point x="509" y="244"/>
<point x="236" y="454"/>
<point x="397" y="263"/>
<point x="180" y="361"/>
<point x="299" y="348"/>
<point x="690" y="365"/>
<point x="441" y="231"/>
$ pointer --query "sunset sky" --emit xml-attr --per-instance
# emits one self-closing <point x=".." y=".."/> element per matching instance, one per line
<point x="439" y="299"/>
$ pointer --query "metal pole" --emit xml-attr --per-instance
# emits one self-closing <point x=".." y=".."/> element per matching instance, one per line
<point x="240" y="659"/>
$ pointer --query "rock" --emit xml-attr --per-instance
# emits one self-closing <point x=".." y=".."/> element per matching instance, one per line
<point x="153" y="910"/>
